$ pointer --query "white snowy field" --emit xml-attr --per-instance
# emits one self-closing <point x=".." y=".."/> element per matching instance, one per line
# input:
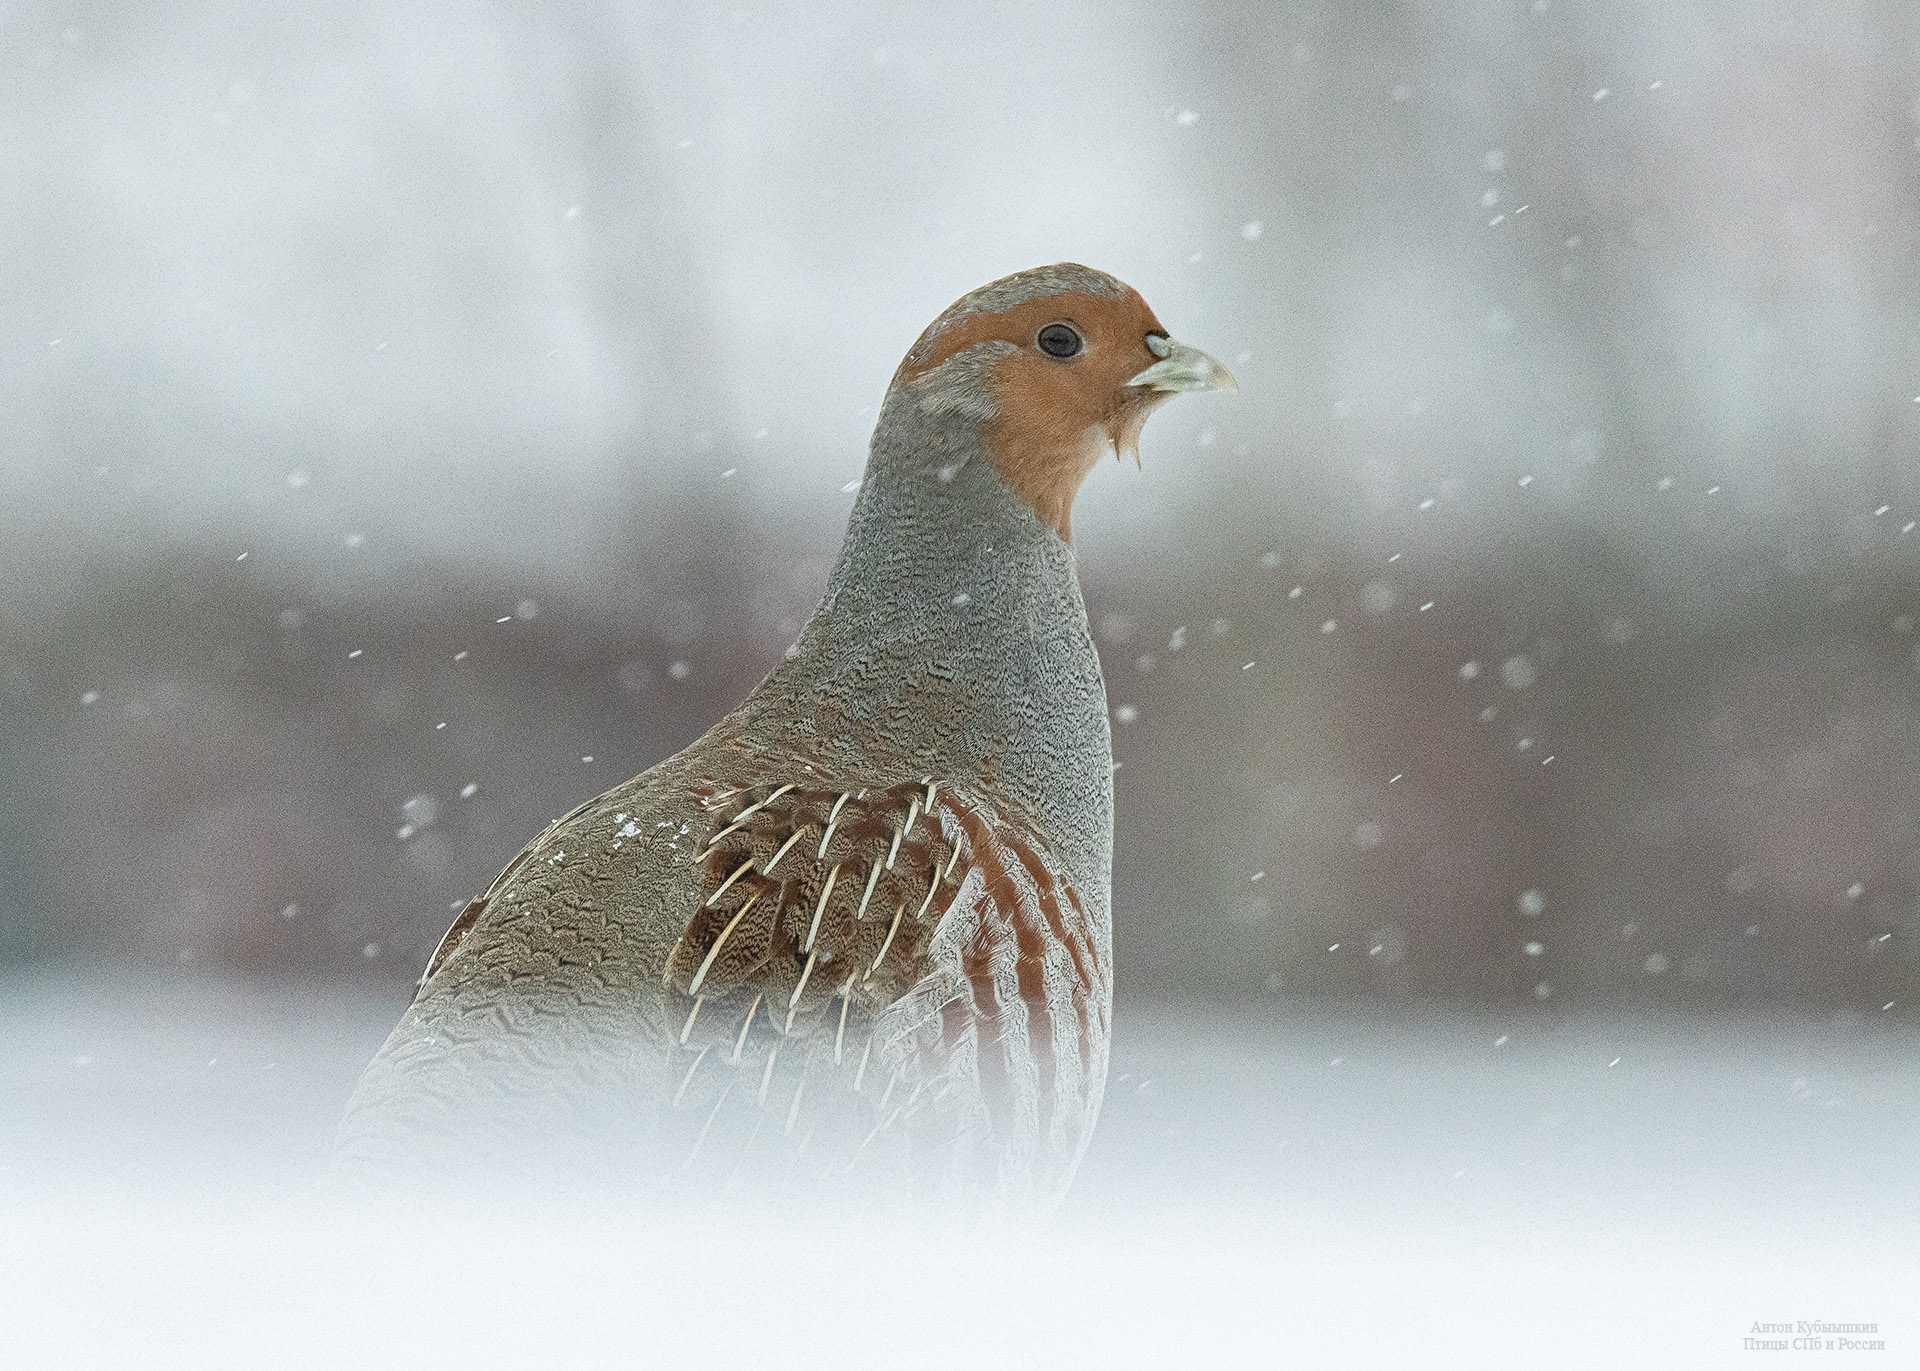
<point x="1273" y="1183"/>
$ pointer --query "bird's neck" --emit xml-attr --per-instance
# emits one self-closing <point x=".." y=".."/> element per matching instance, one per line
<point x="952" y="642"/>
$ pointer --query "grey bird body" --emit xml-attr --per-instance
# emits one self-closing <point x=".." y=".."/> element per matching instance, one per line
<point x="860" y="929"/>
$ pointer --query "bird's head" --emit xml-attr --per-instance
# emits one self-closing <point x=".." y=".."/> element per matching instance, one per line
<point x="1056" y="366"/>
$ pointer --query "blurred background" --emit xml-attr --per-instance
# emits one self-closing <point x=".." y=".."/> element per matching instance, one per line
<point x="419" y="417"/>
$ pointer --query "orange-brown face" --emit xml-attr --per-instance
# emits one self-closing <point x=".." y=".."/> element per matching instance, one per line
<point x="1079" y="381"/>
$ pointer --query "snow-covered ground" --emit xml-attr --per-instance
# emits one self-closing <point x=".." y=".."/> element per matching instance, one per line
<point x="1272" y="1184"/>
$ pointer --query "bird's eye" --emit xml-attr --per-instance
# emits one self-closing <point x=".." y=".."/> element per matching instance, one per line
<point x="1059" y="340"/>
<point x="1159" y="345"/>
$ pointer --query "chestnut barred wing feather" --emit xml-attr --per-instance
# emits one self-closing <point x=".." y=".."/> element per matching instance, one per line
<point x="893" y="972"/>
<point x="806" y="888"/>
<point x="1008" y="1022"/>
<point x="890" y="982"/>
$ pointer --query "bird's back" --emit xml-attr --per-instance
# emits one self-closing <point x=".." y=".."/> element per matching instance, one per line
<point x="739" y="971"/>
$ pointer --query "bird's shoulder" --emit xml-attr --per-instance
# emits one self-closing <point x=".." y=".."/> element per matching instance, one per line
<point x="769" y="883"/>
<point x="911" y="950"/>
<point x="908" y="948"/>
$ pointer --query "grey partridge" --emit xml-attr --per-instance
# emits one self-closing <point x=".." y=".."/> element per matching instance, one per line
<point x="862" y="924"/>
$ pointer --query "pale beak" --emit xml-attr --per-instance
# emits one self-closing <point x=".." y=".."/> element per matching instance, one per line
<point x="1185" y="368"/>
